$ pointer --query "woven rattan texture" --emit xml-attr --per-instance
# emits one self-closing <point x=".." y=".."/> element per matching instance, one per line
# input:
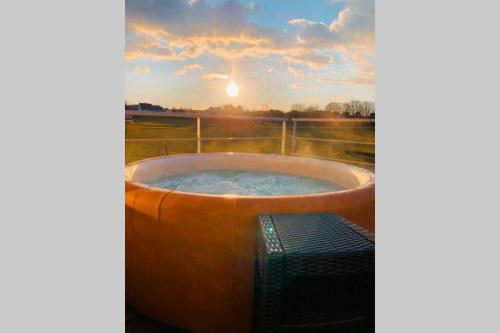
<point x="303" y="258"/>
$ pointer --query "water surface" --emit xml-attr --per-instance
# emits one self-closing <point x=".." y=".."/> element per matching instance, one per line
<point x="244" y="182"/>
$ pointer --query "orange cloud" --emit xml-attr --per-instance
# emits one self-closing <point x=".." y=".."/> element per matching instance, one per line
<point x="214" y="76"/>
<point x="184" y="70"/>
<point x="297" y="72"/>
<point x="159" y="44"/>
<point x="142" y="69"/>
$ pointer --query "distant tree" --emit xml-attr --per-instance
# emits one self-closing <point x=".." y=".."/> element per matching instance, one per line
<point x="150" y="107"/>
<point x="298" y="107"/>
<point x="226" y="109"/>
<point x="294" y="114"/>
<point x="334" y="107"/>
<point x="369" y="108"/>
<point x="268" y="113"/>
<point x="352" y="109"/>
<point x="312" y="108"/>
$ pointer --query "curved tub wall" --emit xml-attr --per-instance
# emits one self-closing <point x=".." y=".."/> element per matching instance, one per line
<point x="190" y="256"/>
<point x="152" y="169"/>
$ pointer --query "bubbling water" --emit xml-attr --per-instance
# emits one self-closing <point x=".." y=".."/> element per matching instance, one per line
<point x="244" y="182"/>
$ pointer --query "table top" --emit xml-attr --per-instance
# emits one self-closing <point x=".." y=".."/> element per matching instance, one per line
<point x="312" y="234"/>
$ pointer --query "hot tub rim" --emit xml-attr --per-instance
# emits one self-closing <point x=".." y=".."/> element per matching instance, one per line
<point x="370" y="183"/>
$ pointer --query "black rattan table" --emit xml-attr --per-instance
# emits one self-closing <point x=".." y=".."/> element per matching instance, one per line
<point x="314" y="273"/>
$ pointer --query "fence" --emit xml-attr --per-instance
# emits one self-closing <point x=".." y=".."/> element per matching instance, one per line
<point x="364" y="157"/>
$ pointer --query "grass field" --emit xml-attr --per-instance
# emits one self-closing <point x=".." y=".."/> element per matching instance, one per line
<point x="175" y="128"/>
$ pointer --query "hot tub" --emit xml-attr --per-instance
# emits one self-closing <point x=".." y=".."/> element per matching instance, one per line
<point x="190" y="256"/>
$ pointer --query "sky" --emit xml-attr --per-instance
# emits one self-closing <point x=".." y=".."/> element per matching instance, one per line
<point x="184" y="53"/>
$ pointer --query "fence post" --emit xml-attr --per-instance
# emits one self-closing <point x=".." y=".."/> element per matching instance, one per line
<point x="198" y="135"/>
<point x="283" y="137"/>
<point x="293" y="136"/>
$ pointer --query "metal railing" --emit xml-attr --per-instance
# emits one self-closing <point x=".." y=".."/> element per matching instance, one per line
<point x="326" y="120"/>
<point x="199" y="139"/>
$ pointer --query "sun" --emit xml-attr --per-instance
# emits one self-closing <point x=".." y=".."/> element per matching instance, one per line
<point x="232" y="89"/>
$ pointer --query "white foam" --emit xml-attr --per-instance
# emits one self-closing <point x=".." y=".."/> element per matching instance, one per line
<point x="243" y="182"/>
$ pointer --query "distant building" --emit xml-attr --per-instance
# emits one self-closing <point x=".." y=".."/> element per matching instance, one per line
<point x="131" y="107"/>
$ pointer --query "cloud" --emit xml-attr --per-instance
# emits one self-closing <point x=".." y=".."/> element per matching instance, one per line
<point x="363" y="69"/>
<point x="159" y="44"/>
<point x="356" y="21"/>
<point x="214" y="76"/>
<point x="179" y="30"/>
<point x="297" y="85"/>
<point x="367" y="80"/>
<point x="252" y="6"/>
<point x="300" y="22"/>
<point x="159" y="31"/>
<point x="340" y="22"/>
<point x="184" y="70"/>
<point x="297" y="72"/>
<point x="142" y="69"/>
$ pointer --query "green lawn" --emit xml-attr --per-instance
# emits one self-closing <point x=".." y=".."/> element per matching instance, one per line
<point x="174" y="128"/>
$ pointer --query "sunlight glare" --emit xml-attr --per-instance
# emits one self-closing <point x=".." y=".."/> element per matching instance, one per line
<point x="232" y="89"/>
